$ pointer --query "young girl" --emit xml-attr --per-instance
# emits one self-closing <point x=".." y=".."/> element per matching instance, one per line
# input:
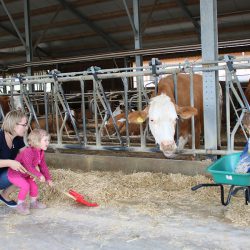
<point x="32" y="158"/>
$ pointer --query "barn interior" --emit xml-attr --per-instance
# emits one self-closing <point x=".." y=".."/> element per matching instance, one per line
<point x="74" y="66"/>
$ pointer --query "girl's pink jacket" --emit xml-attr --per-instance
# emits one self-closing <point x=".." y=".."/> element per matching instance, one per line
<point x="31" y="157"/>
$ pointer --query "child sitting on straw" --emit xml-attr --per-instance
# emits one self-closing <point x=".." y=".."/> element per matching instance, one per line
<point x="243" y="165"/>
<point x="32" y="158"/>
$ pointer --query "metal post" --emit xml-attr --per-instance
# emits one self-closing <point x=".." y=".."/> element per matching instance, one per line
<point x="97" y="133"/>
<point x="83" y="111"/>
<point x="192" y="105"/>
<point x="28" y="39"/>
<point x="138" y="59"/>
<point x="46" y="106"/>
<point x="209" y="39"/>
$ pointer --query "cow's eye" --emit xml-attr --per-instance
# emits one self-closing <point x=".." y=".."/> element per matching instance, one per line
<point x="151" y="120"/>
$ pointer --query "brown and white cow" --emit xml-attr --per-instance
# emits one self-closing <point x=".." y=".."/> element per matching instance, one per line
<point x="68" y="127"/>
<point x="163" y="112"/>
<point x="133" y="128"/>
<point x="5" y="103"/>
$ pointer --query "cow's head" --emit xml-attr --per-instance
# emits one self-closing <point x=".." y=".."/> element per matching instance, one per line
<point x="17" y="100"/>
<point x="162" y="114"/>
<point x="109" y="127"/>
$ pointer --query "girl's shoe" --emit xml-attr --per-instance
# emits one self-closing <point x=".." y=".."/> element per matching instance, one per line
<point x="22" y="209"/>
<point x="37" y="205"/>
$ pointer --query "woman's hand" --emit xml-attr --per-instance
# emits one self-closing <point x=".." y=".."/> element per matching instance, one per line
<point x="15" y="165"/>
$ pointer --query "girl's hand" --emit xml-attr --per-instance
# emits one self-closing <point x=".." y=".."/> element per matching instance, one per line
<point x="15" y="165"/>
<point x="42" y="179"/>
<point x="50" y="183"/>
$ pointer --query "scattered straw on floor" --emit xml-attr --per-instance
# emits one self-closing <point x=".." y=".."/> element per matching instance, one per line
<point x="148" y="193"/>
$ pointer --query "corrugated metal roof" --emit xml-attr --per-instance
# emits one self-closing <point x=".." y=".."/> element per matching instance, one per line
<point x="94" y="26"/>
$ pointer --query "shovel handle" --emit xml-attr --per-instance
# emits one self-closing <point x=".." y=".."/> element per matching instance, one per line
<point x="59" y="190"/>
<point x="72" y="194"/>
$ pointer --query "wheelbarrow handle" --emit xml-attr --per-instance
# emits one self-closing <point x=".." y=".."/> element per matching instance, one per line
<point x="205" y="185"/>
<point x="196" y="187"/>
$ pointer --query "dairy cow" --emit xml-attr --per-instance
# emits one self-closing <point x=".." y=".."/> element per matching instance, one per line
<point x="163" y="112"/>
<point x="134" y="129"/>
<point x="120" y="119"/>
<point x="68" y="127"/>
<point x="5" y="103"/>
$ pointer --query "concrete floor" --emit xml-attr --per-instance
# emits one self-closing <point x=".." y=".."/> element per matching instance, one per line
<point x="77" y="227"/>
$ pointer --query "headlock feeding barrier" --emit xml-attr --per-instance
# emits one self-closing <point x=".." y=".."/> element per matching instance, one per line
<point x="76" y="107"/>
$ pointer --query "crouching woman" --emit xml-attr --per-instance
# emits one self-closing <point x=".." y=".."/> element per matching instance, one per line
<point x="13" y="129"/>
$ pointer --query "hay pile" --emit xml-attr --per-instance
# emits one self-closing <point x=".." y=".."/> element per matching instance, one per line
<point x="148" y="193"/>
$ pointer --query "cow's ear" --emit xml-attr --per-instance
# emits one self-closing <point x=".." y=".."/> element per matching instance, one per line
<point x="186" y="112"/>
<point x="138" y="117"/>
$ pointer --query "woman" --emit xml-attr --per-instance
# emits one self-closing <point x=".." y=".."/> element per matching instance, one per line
<point x="13" y="129"/>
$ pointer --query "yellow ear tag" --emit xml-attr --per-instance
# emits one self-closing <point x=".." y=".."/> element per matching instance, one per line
<point x="139" y="120"/>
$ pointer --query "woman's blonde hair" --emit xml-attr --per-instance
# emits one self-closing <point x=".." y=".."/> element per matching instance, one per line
<point x="35" y="137"/>
<point x="11" y="119"/>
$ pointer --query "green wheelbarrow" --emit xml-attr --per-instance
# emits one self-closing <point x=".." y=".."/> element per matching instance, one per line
<point x="223" y="173"/>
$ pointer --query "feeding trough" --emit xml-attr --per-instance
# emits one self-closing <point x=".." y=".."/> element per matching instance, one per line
<point x="223" y="173"/>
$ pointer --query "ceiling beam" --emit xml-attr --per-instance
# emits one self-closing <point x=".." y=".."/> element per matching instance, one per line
<point x="188" y="14"/>
<point x="111" y="42"/>
<point x="99" y="16"/>
<point x="13" y="23"/>
<point x="16" y="34"/>
<point x="46" y="28"/>
<point x="76" y="21"/>
<point x="124" y="42"/>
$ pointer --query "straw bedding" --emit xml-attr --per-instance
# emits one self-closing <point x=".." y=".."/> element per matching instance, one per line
<point x="154" y="194"/>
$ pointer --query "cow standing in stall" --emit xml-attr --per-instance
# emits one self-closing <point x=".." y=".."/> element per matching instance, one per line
<point x="163" y="112"/>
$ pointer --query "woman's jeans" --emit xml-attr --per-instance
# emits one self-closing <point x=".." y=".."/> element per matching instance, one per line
<point x="4" y="181"/>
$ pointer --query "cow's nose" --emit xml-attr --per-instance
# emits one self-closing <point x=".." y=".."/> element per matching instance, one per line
<point x="167" y="146"/>
<point x="168" y="149"/>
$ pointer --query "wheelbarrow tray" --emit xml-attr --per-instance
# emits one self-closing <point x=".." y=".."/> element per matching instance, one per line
<point x="222" y="171"/>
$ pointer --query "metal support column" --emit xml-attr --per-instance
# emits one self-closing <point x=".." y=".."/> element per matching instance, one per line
<point x="28" y="40"/>
<point x="138" y="58"/>
<point x="137" y="35"/>
<point x="209" y="40"/>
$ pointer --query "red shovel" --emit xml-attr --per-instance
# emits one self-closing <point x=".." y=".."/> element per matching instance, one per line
<point x="80" y="199"/>
<point x="71" y="194"/>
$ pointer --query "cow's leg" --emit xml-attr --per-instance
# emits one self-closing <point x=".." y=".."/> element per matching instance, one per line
<point x="182" y="141"/>
<point x="197" y="135"/>
<point x="123" y="129"/>
<point x="184" y="137"/>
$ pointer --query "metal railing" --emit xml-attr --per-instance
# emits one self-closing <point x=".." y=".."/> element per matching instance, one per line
<point x="100" y="102"/>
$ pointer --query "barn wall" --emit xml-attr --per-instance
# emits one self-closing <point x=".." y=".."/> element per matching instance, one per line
<point x="125" y="164"/>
